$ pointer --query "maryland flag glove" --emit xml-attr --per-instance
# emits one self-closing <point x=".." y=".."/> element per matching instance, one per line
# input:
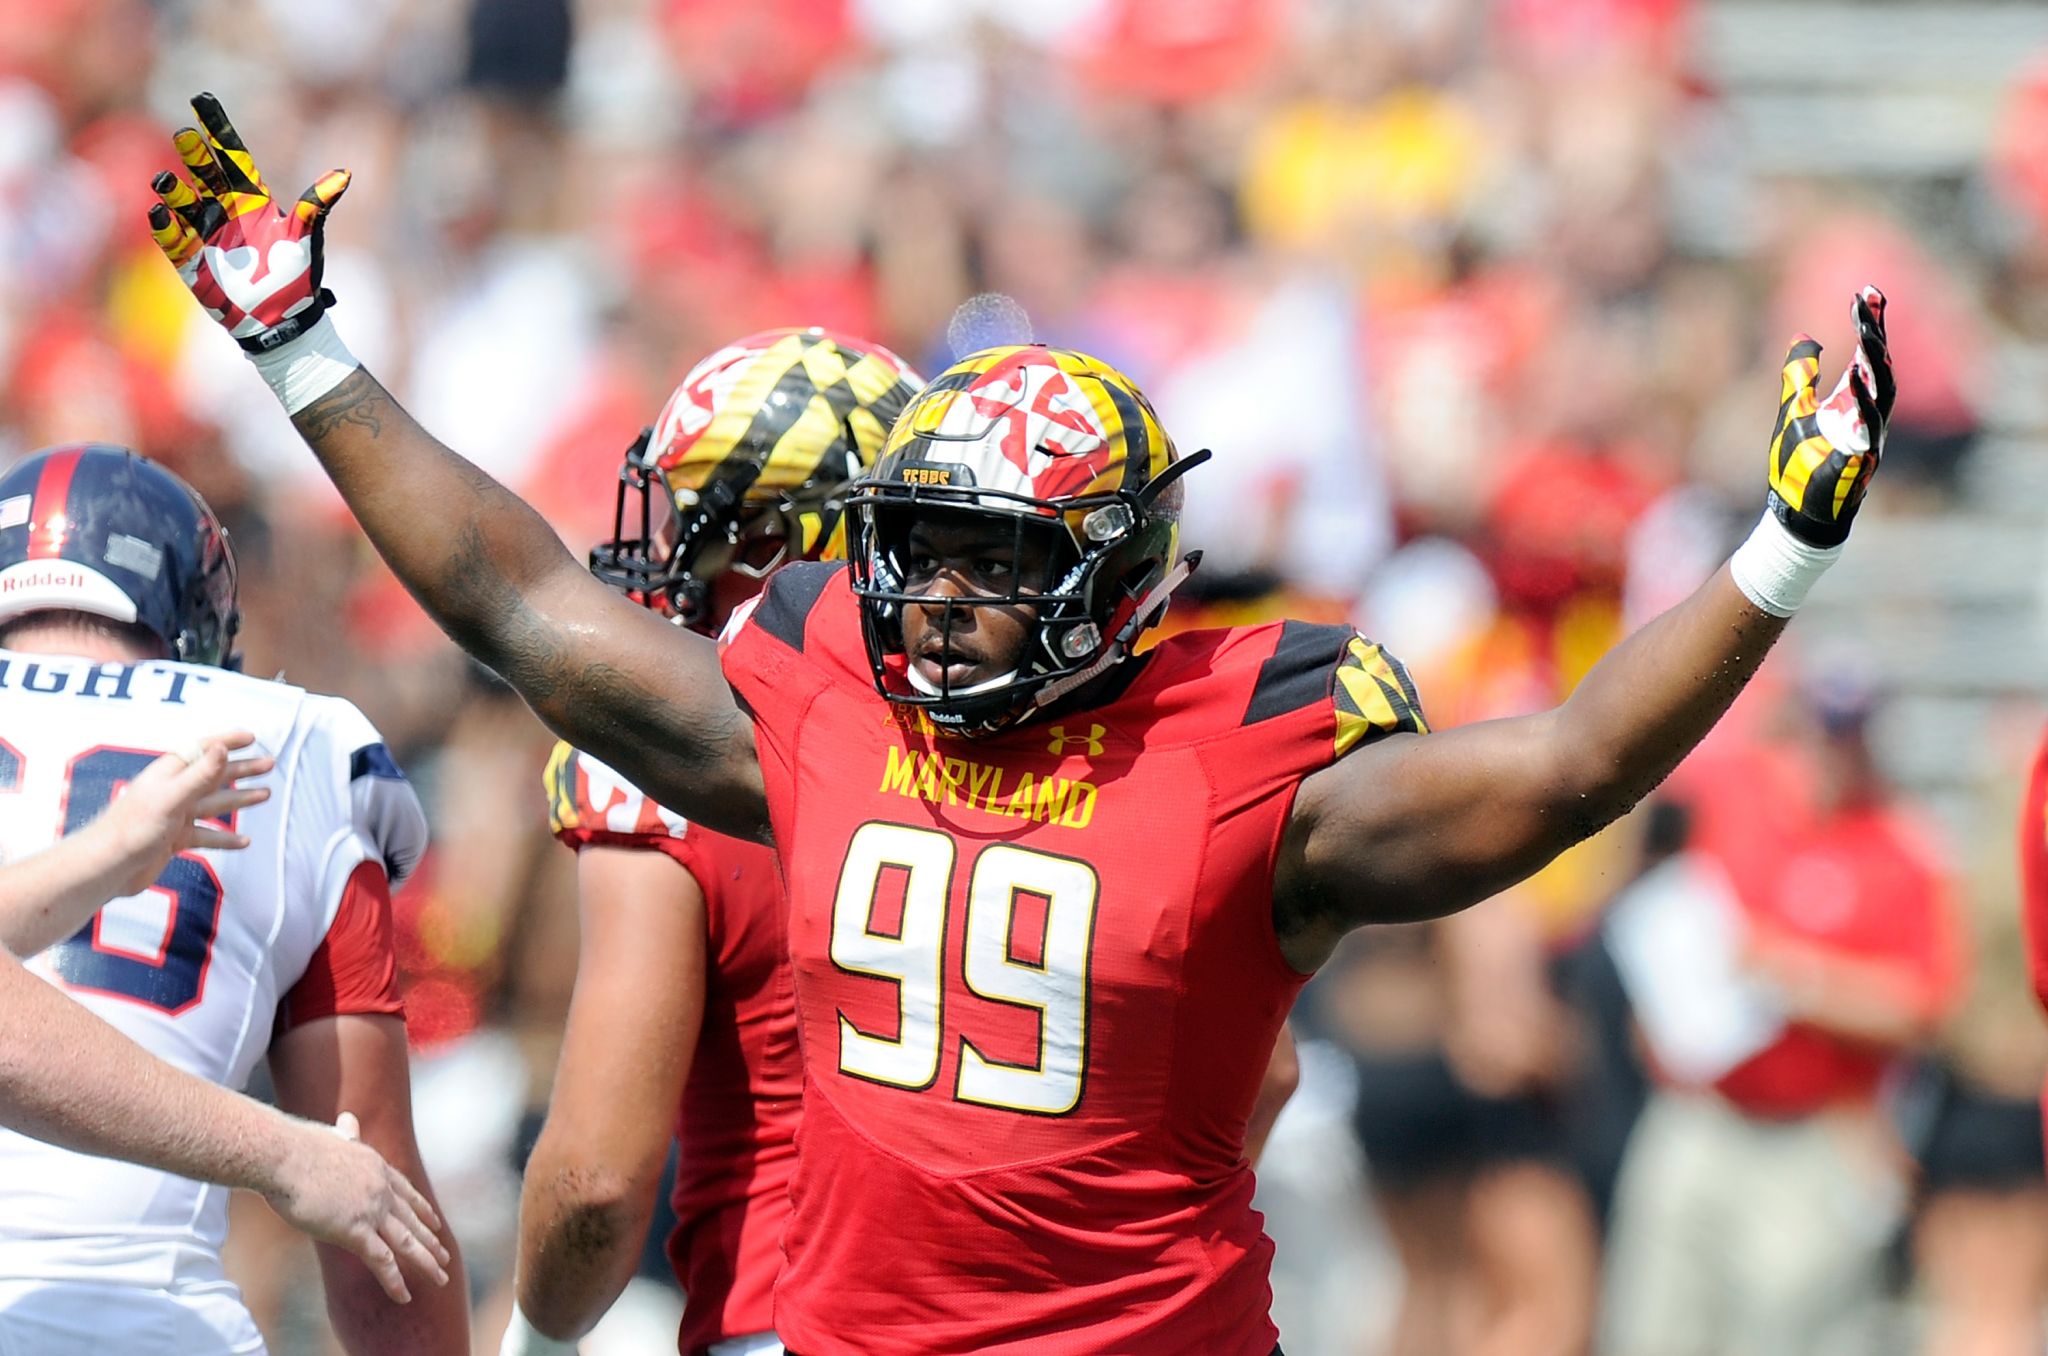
<point x="1823" y="454"/>
<point x="253" y="262"/>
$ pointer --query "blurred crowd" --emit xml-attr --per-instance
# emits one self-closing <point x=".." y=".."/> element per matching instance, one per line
<point x="1481" y="308"/>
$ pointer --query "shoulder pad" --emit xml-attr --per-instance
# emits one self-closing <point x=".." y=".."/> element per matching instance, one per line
<point x="792" y="591"/>
<point x="586" y="797"/>
<point x="1368" y="690"/>
<point x="1374" y="696"/>
<point x="383" y="807"/>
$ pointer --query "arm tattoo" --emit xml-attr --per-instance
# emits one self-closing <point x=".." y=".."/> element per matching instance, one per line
<point x="357" y="401"/>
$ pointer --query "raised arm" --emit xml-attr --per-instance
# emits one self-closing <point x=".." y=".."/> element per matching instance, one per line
<point x="606" y="675"/>
<point x="47" y="897"/>
<point x="1415" y="826"/>
<point x="609" y="676"/>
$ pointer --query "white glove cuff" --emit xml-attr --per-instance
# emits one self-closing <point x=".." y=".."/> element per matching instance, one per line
<point x="1774" y="569"/>
<point x="521" y="1337"/>
<point x="302" y="370"/>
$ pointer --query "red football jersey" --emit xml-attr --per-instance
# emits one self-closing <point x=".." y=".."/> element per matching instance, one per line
<point x="736" y="1126"/>
<point x="1037" y="982"/>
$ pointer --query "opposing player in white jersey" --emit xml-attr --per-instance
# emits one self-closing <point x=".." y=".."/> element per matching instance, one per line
<point x="68" y="1078"/>
<point x="117" y="627"/>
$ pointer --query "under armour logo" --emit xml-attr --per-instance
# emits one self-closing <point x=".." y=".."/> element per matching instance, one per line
<point x="1060" y="740"/>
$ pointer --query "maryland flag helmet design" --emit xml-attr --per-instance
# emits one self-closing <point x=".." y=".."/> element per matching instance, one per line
<point x="1043" y="440"/>
<point x="752" y="454"/>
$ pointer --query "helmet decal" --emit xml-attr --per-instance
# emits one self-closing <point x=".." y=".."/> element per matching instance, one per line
<point x="48" y="522"/>
<point x="1064" y="423"/>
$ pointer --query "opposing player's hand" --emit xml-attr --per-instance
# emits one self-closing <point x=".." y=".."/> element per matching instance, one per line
<point x="253" y="262"/>
<point x="341" y="1191"/>
<point x="164" y="810"/>
<point x="1823" y="453"/>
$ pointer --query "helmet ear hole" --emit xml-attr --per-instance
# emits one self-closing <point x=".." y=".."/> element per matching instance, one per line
<point x="1079" y="641"/>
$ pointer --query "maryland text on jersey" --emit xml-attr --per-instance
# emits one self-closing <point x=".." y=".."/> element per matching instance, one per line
<point x="942" y="779"/>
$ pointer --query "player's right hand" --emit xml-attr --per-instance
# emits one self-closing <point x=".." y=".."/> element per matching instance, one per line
<point x="159" y="814"/>
<point x="341" y="1191"/>
<point x="254" y="263"/>
<point x="1824" y="453"/>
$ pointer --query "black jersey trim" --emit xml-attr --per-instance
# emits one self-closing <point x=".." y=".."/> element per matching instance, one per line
<point x="1299" y="671"/>
<point x="791" y="594"/>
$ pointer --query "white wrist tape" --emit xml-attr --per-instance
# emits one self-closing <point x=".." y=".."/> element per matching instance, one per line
<point x="522" y="1338"/>
<point x="308" y="367"/>
<point x="1774" y="569"/>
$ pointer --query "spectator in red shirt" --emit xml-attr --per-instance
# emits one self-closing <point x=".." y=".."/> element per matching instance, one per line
<point x="1973" y="1117"/>
<point x="1757" y="1201"/>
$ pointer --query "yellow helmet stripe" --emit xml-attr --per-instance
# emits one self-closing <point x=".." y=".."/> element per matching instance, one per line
<point x="749" y="399"/>
<point x="871" y="378"/>
<point x="801" y="447"/>
<point x="869" y="431"/>
<point x="823" y="360"/>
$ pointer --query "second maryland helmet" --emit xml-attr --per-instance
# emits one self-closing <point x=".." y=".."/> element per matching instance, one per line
<point x="752" y="454"/>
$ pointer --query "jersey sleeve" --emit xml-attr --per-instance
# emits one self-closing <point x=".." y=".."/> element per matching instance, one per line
<point x="351" y="804"/>
<point x="589" y="804"/>
<point x="1319" y="694"/>
<point x="355" y="832"/>
<point x="1372" y="696"/>
<point x="764" y="651"/>
<point x="354" y="970"/>
<point x="1335" y="678"/>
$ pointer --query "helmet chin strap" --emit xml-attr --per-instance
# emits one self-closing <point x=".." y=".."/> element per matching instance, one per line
<point x="927" y="688"/>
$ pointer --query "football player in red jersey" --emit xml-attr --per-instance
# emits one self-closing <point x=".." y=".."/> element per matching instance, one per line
<point x="682" y="928"/>
<point x="1049" y="900"/>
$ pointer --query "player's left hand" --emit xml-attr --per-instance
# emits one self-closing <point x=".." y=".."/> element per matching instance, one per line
<point x="254" y="263"/>
<point x="164" y="810"/>
<point x="339" y="1190"/>
<point x="1824" y="453"/>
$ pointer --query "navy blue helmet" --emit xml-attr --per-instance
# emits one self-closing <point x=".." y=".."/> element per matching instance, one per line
<point x="95" y="528"/>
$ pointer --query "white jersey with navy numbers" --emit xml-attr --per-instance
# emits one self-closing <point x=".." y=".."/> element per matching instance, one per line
<point x="194" y="967"/>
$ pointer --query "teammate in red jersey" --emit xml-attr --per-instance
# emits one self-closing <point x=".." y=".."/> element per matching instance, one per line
<point x="682" y="928"/>
<point x="1049" y="899"/>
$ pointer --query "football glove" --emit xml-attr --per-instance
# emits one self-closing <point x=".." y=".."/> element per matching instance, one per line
<point x="1823" y="453"/>
<point x="253" y="262"/>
